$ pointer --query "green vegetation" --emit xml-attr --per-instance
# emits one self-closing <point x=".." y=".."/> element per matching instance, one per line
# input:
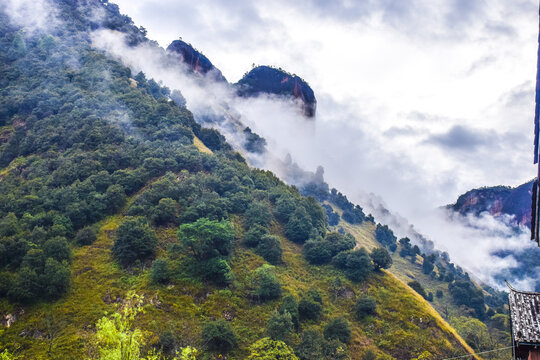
<point x="268" y="349"/>
<point x="135" y="240"/>
<point x="219" y="336"/>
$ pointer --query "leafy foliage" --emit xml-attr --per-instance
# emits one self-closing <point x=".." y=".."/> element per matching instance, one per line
<point x="381" y="258"/>
<point x="280" y="325"/>
<point x="135" y="240"/>
<point x="365" y="305"/>
<point x="268" y="349"/>
<point x="338" y="329"/>
<point x="219" y="336"/>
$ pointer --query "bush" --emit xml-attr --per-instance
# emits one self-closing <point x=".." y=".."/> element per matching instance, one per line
<point x="356" y="264"/>
<point x="135" y="240"/>
<point x="311" y="346"/>
<point x="385" y="235"/>
<point x="310" y="307"/>
<point x="418" y="288"/>
<point x="340" y="242"/>
<point x="86" y="236"/>
<point x="439" y="294"/>
<point x="219" y="336"/>
<point x="338" y="329"/>
<point x="290" y="305"/>
<point x="164" y="212"/>
<point x="318" y="252"/>
<point x="207" y="238"/>
<point x="57" y="248"/>
<point x="270" y="249"/>
<point x="268" y="285"/>
<point x="365" y="305"/>
<point x="159" y="271"/>
<point x="429" y="297"/>
<point x="268" y="349"/>
<point x="280" y="326"/>
<point x="254" y="235"/>
<point x="259" y="213"/>
<point x="381" y="258"/>
<point x="299" y="226"/>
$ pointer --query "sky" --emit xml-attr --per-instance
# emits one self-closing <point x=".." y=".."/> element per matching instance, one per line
<point x="419" y="101"/>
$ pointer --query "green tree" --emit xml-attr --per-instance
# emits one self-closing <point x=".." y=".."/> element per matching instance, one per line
<point x="55" y="279"/>
<point x="268" y="349"/>
<point x="381" y="258"/>
<point x="207" y="238"/>
<point x="311" y="346"/>
<point x="159" y="272"/>
<point x="86" y="236"/>
<point x="280" y="326"/>
<point x="365" y="305"/>
<point x="164" y="212"/>
<point x="418" y="288"/>
<point x="318" y="252"/>
<point x="338" y="329"/>
<point x="269" y="248"/>
<point x="298" y="228"/>
<point x="268" y="286"/>
<point x="290" y="305"/>
<point x="219" y="336"/>
<point x="254" y="235"/>
<point x="135" y="240"/>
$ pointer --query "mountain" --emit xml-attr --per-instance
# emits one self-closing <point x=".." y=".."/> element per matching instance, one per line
<point x="269" y="80"/>
<point x="197" y="62"/>
<point x="498" y="201"/>
<point x="126" y="224"/>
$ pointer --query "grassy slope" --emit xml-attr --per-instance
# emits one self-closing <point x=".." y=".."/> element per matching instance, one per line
<point x="405" y="326"/>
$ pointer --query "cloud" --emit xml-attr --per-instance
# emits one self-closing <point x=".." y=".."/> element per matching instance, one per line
<point x="32" y="15"/>
<point x="462" y="138"/>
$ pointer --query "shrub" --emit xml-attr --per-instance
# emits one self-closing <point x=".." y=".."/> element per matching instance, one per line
<point x="86" y="236"/>
<point x="429" y="297"/>
<point x="310" y="307"/>
<point x="318" y="252"/>
<point x="381" y="258"/>
<point x="340" y="242"/>
<point x="270" y="249"/>
<point x="254" y="234"/>
<point x="356" y="264"/>
<point x="258" y="212"/>
<point x="280" y="326"/>
<point x="268" y="285"/>
<point x="268" y="349"/>
<point x="219" y="336"/>
<point x="439" y="294"/>
<point x="299" y="226"/>
<point x="164" y="212"/>
<point x="365" y="305"/>
<point x="290" y="305"/>
<point x="135" y="240"/>
<point x="159" y="271"/>
<point x="55" y="279"/>
<point x="57" y="248"/>
<point x="311" y="346"/>
<point x="338" y="329"/>
<point x="418" y="288"/>
<point x="207" y="238"/>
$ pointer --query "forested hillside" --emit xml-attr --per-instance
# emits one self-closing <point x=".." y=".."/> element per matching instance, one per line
<point x="128" y="231"/>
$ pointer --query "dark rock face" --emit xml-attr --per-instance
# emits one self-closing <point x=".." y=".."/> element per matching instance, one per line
<point x="266" y="79"/>
<point x="498" y="200"/>
<point x="196" y="61"/>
